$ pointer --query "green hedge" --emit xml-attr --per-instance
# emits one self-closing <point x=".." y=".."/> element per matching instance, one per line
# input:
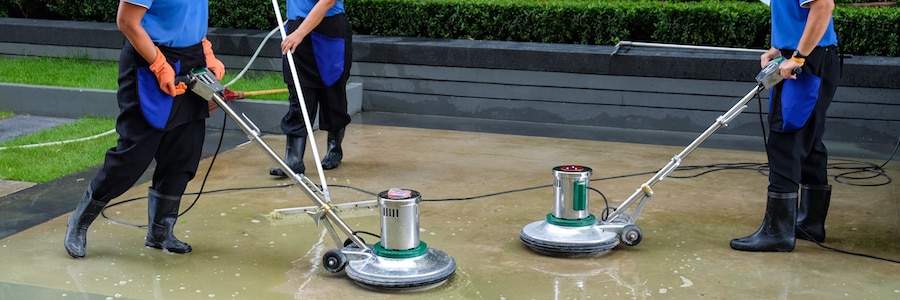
<point x="871" y="31"/>
<point x="243" y="14"/>
<point x="736" y="23"/>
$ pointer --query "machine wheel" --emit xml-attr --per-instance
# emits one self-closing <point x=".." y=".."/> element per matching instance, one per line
<point x="334" y="260"/>
<point x="631" y="235"/>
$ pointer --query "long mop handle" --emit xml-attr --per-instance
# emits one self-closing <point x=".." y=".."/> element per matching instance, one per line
<point x="263" y="92"/>
<point x="721" y="121"/>
<point x="326" y="208"/>
<point x="296" y="82"/>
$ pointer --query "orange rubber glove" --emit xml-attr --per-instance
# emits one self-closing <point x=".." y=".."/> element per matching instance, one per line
<point x="165" y="75"/>
<point x="212" y="63"/>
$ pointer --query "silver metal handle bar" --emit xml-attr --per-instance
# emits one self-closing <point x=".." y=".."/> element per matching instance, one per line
<point x="300" y="179"/>
<point x="721" y="121"/>
<point x="693" y="47"/>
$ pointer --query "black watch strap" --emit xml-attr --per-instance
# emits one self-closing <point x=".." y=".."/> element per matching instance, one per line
<point x="798" y="55"/>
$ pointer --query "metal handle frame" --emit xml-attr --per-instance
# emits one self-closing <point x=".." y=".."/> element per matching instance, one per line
<point x="646" y="190"/>
<point x="325" y="207"/>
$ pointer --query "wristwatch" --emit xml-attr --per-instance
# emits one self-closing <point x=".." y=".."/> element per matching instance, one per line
<point x="799" y="58"/>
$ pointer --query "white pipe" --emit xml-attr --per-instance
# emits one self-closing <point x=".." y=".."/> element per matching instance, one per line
<point x="693" y="47"/>
<point x="60" y="142"/>
<point x="309" y="132"/>
<point x="252" y="58"/>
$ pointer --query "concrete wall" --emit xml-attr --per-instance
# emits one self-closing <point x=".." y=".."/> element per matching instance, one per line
<point x="650" y="88"/>
<point x="637" y="87"/>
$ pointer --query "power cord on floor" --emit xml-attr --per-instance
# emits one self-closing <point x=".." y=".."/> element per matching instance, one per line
<point x="810" y="238"/>
<point x="202" y="185"/>
<point x="876" y="171"/>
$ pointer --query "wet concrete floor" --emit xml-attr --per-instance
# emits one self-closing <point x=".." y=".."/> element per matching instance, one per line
<point x="242" y="250"/>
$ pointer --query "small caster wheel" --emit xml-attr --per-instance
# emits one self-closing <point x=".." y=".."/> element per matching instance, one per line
<point x="349" y="243"/>
<point x="632" y="235"/>
<point x="334" y="260"/>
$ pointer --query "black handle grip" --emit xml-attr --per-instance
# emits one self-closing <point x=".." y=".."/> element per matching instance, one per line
<point x="797" y="70"/>
<point x="183" y="78"/>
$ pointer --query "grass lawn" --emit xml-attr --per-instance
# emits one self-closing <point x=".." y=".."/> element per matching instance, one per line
<point x="85" y="73"/>
<point x="45" y="163"/>
<point x="48" y="162"/>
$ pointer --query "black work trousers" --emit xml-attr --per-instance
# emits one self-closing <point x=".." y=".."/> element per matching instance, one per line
<point x="323" y="62"/>
<point x="177" y="148"/>
<point x="798" y="155"/>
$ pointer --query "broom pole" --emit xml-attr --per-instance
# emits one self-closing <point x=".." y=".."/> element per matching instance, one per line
<point x="264" y="92"/>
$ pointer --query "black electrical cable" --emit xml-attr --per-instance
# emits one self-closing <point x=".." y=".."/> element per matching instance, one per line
<point x="202" y="185"/>
<point x="876" y="170"/>
<point x="487" y="195"/>
<point x="809" y="238"/>
<point x="208" y="169"/>
<point x="605" y="212"/>
<point x="366" y="232"/>
<point x="762" y="123"/>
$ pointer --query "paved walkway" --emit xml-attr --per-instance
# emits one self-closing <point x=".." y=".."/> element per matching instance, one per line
<point x="11" y="186"/>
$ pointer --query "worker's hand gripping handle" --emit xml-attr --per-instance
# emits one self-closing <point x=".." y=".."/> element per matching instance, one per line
<point x="769" y="76"/>
<point x="203" y="83"/>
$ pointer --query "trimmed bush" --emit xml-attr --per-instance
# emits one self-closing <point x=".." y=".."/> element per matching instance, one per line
<point x="736" y="23"/>
<point x="731" y="24"/>
<point x="243" y="14"/>
<point x="34" y="9"/>
<point x="871" y="31"/>
<point x="90" y="10"/>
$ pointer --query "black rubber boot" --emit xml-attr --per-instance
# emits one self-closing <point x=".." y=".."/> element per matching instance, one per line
<point x="163" y="213"/>
<point x="293" y="156"/>
<point x="776" y="234"/>
<point x="76" y="230"/>
<point x="335" y="153"/>
<point x="814" y="202"/>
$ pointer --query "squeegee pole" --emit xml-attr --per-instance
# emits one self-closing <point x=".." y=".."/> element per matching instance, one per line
<point x="325" y="206"/>
<point x="673" y="164"/>
<point x="300" y="98"/>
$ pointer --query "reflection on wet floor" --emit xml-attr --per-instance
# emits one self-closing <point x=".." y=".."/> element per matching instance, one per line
<point x="478" y="191"/>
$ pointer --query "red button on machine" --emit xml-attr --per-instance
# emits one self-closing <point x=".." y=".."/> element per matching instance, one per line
<point x="572" y="168"/>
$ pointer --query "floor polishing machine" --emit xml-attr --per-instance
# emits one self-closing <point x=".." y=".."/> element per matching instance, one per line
<point x="399" y="262"/>
<point x="570" y="230"/>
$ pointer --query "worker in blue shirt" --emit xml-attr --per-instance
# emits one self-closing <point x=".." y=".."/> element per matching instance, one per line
<point x="158" y="119"/>
<point x="319" y="38"/>
<point x="803" y="32"/>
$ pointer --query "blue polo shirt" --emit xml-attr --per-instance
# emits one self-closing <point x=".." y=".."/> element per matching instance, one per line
<point x="175" y="23"/>
<point x="299" y="9"/>
<point x="789" y="21"/>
